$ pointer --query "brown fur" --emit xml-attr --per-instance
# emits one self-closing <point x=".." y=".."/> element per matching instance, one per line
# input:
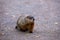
<point x="25" y="23"/>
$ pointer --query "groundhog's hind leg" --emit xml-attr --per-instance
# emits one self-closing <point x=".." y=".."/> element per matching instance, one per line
<point x="16" y="27"/>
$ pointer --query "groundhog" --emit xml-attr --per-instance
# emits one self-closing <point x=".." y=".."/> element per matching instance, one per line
<point x="25" y="23"/>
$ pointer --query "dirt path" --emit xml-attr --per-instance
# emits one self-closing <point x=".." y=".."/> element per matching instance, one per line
<point x="46" y="13"/>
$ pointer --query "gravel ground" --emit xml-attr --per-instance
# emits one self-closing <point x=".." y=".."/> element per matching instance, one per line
<point x="47" y="19"/>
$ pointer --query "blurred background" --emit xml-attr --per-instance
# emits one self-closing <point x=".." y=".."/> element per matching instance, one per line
<point x="47" y="19"/>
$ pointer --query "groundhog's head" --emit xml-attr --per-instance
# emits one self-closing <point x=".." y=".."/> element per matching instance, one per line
<point x="30" y="19"/>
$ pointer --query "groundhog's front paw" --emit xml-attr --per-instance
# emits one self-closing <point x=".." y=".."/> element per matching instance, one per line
<point x="22" y="30"/>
